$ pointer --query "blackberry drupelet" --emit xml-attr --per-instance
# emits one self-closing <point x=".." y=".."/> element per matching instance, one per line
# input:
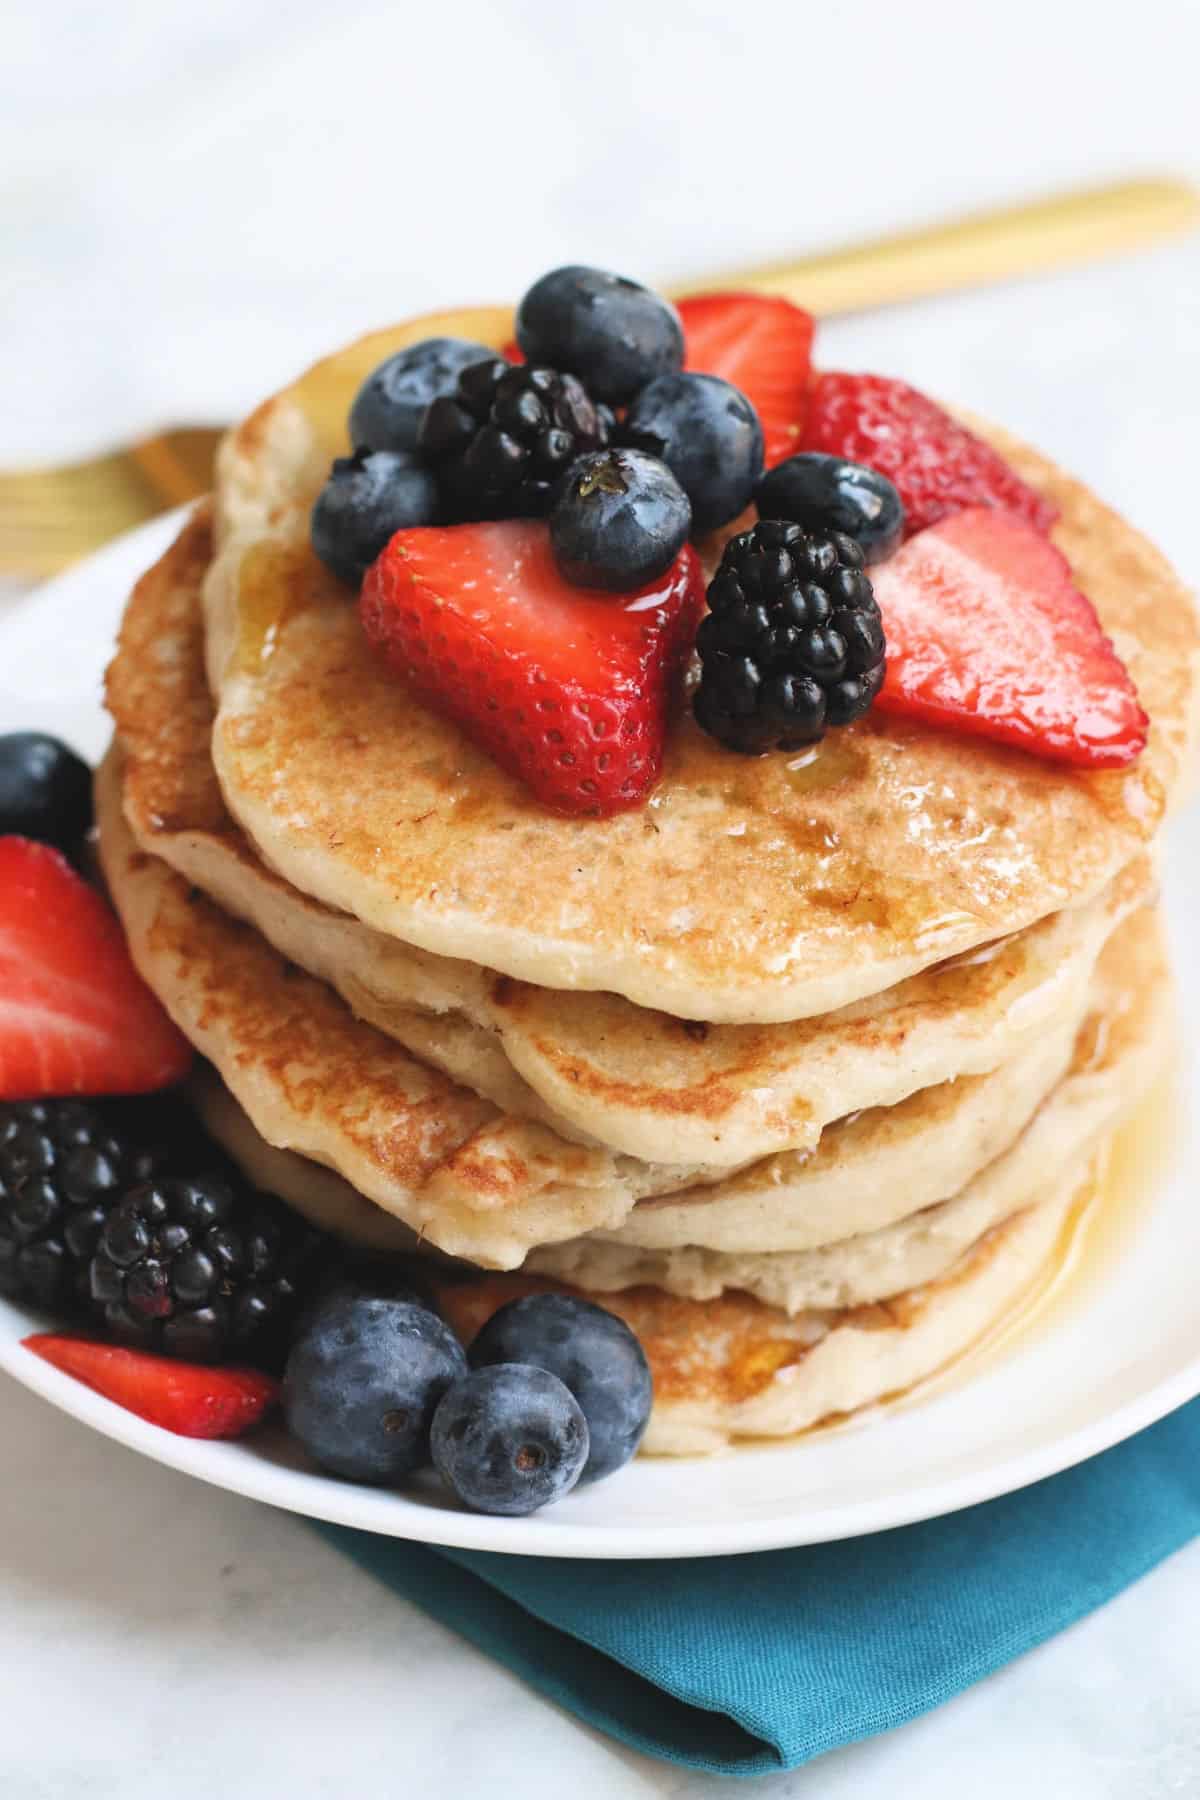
<point x="63" y="1167"/>
<point x="500" y="443"/>
<point x="793" y="642"/>
<point x="202" y="1270"/>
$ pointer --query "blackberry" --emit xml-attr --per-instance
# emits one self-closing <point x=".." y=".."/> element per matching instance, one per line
<point x="202" y="1269"/>
<point x="500" y="443"/>
<point x="63" y="1166"/>
<point x="792" y="643"/>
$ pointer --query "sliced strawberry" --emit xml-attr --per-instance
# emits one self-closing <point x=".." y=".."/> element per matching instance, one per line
<point x="187" y="1398"/>
<point x="987" y="633"/>
<point x="764" y="346"/>
<point x="75" y="1016"/>
<point x="568" y="690"/>
<point x="937" y="464"/>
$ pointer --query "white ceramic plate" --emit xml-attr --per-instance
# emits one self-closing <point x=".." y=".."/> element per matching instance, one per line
<point x="1118" y="1349"/>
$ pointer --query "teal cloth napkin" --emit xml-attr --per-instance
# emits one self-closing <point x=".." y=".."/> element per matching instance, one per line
<point x="745" y="1665"/>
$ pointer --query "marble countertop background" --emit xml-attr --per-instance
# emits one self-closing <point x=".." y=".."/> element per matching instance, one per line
<point x="194" y="202"/>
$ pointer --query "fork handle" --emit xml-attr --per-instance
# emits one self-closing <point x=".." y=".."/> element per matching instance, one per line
<point x="997" y="245"/>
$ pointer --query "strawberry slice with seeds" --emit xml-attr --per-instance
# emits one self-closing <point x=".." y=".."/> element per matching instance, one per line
<point x="763" y="345"/>
<point x="937" y="465"/>
<point x="566" y="689"/>
<point x="187" y="1398"/>
<point x="987" y="633"/>
<point x="75" y="1016"/>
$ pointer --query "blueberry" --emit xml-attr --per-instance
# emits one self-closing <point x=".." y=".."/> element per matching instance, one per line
<point x="592" y="1352"/>
<point x="620" y="519"/>
<point x="508" y="1439"/>
<point x="365" y="1275"/>
<point x="366" y="498"/>
<point x="389" y="406"/>
<point x="363" y="1383"/>
<point x="709" y="436"/>
<point x="45" y="790"/>
<point x="825" y="494"/>
<point x="611" y="332"/>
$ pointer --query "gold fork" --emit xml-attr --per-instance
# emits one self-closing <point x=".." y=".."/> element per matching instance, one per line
<point x="50" y="516"/>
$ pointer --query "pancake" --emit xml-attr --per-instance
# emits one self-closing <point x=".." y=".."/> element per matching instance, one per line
<point x="732" y="1368"/>
<point x="1106" y="1068"/>
<point x="323" y="1198"/>
<point x="314" y="1079"/>
<point x="595" y="1068"/>
<point x="745" y="890"/>
<point x="863" y="1176"/>
<point x="1117" y="1055"/>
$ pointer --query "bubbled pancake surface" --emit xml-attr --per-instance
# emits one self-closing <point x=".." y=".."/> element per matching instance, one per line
<point x="595" y="1068"/>
<point x="745" y="889"/>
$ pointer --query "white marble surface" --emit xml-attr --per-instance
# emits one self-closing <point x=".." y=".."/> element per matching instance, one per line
<point x="194" y="201"/>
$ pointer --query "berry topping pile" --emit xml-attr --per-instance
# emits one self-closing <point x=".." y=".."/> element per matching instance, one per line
<point x="623" y="427"/>
<point x="506" y="435"/>
<point x="793" y="640"/>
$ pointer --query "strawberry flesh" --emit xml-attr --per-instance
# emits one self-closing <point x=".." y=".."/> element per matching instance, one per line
<point x="75" y="1016"/>
<point x="186" y="1398"/>
<point x="987" y="633"/>
<point x="937" y="465"/>
<point x="568" y="690"/>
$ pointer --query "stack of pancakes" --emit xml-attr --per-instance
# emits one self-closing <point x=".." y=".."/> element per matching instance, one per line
<point x="802" y="1067"/>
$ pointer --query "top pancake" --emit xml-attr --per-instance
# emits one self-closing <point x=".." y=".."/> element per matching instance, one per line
<point x="746" y="890"/>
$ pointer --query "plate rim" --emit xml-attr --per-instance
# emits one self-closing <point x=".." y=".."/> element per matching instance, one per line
<point x="238" y="1469"/>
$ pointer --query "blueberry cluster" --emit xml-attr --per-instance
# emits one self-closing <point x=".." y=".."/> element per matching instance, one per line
<point x="445" y="431"/>
<point x="553" y="1391"/>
